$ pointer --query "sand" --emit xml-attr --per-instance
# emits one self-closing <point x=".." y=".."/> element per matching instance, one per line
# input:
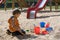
<point x="28" y="24"/>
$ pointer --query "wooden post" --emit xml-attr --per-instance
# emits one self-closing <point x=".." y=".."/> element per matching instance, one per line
<point x="50" y="5"/>
<point x="20" y="6"/>
<point x="33" y="3"/>
<point x="29" y="2"/>
<point x="44" y="7"/>
<point x="13" y="5"/>
<point x="56" y="4"/>
<point x="5" y="5"/>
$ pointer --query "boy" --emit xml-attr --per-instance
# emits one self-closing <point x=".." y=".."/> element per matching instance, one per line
<point x="14" y="27"/>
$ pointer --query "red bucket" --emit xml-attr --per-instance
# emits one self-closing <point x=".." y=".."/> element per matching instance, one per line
<point x="37" y="30"/>
<point x="44" y="32"/>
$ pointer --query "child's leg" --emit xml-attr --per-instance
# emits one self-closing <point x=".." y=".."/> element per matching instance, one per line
<point x="16" y="33"/>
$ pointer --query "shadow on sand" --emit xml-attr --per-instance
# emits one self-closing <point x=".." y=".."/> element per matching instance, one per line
<point x="44" y="17"/>
<point x="26" y="37"/>
<point x="47" y="16"/>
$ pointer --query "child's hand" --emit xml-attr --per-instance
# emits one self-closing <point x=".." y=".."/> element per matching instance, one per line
<point x="21" y="32"/>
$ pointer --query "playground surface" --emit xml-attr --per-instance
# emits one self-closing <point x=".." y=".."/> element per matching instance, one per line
<point x="28" y="24"/>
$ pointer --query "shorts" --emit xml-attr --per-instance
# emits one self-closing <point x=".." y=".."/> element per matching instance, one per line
<point x="16" y="33"/>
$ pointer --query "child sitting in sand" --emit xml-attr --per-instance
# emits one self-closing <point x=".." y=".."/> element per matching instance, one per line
<point x="14" y="27"/>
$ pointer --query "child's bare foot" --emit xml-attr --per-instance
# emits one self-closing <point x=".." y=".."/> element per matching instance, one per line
<point x="8" y="32"/>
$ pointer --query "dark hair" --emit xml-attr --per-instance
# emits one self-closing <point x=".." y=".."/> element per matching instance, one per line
<point x="17" y="11"/>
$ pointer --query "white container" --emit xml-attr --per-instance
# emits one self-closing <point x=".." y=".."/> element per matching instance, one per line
<point x="32" y="14"/>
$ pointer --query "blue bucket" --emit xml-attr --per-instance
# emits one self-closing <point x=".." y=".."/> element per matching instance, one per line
<point x="42" y="24"/>
<point x="49" y="29"/>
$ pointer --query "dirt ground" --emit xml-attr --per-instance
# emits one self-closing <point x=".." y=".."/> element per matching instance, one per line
<point x="28" y="24"/>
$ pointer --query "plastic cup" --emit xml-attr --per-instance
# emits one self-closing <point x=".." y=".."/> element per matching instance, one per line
<point x="42" y="24"/>
<point x="49" y="29"/>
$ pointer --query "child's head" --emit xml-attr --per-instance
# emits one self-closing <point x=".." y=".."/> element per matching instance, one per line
<point x="16" y="13"/>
